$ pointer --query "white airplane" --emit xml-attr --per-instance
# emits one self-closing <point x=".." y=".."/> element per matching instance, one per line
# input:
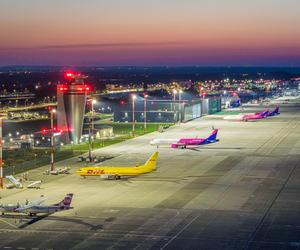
<point x="11" y="208"/>
<point x="14" y="182"/>
<point x="34" y="209"/>
<point x="58" y="171"/>
<point x="35" y="184"/>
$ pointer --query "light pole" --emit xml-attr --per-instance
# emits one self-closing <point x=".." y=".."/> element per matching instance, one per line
<point x="133" y="119"/>
<point x="174" y="99"/>
<point x="1" y="161"/>
<point x="91" y="130"/>
<point x="180" y="106"/>
<point x="90" y="149"/>
<point x="93" y="112"/>
<point x="53" y="111"/>
<point x="145" y="112"/>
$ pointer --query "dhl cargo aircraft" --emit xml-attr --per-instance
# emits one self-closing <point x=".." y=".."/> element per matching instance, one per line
<point x="116" y="172"/>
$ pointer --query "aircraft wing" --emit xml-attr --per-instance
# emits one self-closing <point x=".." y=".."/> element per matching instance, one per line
<point x="24" y="208"/>
<point x="233" y="117"/>
<point x="30" y="205"/>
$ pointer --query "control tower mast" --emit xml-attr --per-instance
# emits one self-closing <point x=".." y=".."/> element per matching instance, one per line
<point x="71" y="101"/>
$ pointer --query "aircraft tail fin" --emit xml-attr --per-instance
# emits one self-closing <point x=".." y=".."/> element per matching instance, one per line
<point x="213" y="136"/>
<point x="66" y="202"/>
<point x="152" y="161"/>
<point x="265" y="113"/>
<point x="276" y="110"/>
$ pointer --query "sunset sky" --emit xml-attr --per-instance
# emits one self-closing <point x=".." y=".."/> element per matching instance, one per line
<point x="153" y="32"/>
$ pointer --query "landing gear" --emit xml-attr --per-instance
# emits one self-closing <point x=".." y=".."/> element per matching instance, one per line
<point x="117" y="177"/>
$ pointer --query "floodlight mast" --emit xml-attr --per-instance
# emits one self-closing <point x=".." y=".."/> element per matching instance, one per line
<point x="1" y="161"/>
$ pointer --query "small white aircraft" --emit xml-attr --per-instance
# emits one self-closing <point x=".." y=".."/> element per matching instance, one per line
<point x="14" y="182"/>
<point x="34" y="209"/>
<point x="11" y="208"/>
<point x="35" y="184"/>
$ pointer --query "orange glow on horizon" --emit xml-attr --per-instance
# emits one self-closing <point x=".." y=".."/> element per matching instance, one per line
<point x="143" y="32"/>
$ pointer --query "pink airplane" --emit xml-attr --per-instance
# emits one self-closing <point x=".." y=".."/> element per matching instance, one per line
<point x="185" y="142"/>
<point x="256" y="116"/>
<point x="252" y="117"/>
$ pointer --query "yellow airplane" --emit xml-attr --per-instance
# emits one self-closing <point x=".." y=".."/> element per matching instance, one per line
<point x="111" y="172"/>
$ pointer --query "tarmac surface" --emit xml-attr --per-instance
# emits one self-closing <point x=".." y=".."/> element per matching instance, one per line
<point x="239" y="193"/>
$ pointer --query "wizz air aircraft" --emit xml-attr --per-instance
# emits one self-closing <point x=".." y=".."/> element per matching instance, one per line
<point x="256" y="116"/>
<point x="274" y="112"/>
<point x="253" y="117"/>
<point x="183" y="143"/>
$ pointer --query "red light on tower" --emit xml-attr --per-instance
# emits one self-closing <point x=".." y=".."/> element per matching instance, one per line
<point x="62" y="87"/>
<point x="43" y="131"/>
<point x="69" y="75"/>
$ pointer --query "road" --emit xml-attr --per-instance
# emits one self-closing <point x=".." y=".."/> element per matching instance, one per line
<point x="240" y="193"/>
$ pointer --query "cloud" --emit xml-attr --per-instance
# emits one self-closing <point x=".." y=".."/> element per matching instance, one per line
<point x="96" y="45"/>
<point x="110" y="45"/>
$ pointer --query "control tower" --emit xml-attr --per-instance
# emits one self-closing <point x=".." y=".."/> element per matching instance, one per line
<point x="71" y="101"/>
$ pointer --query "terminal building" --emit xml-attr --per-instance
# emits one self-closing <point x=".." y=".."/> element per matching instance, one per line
<point x="42" y="139"/>
<point x="167" y="111"/>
